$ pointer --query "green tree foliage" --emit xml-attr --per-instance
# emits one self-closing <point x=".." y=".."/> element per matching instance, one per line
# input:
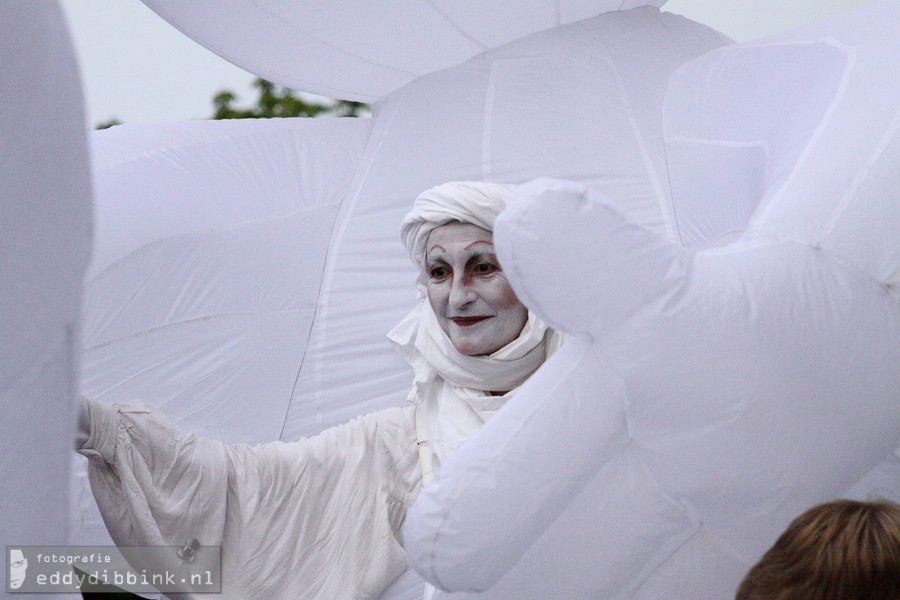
<point x="274" y="101"/>
<point x="278" y="101"/>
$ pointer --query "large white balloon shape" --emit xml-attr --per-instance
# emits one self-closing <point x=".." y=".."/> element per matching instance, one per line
<point x="45" y="241"/>
<point x="707" y="395"/>
<point x="246" y="273"/>
<point x="241" y="268"/>
<point x="361" y="50"/>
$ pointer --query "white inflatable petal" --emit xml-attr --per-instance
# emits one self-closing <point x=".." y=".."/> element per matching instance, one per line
<point x="742" y="137"/>
<point x="243" y="261"/>
<point x="620" y="269"/>
<point x="778" y="126"/>
<point x="364" y="50"/>
<point x="45" y="242"/>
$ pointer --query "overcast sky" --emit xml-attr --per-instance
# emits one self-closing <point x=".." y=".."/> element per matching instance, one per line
<point x="137" y="68"/>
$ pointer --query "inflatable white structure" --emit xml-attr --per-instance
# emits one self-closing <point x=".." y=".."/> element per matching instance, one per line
<point x="709" y="395"/>
<point x="365" y="50"/>
<point x="45" y="240"/>
<point x="245" y="273"/>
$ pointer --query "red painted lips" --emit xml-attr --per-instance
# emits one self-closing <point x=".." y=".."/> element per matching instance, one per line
<point x="468" y="321"/>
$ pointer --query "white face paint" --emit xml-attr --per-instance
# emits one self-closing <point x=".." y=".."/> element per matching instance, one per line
<point x="474" y="303"/>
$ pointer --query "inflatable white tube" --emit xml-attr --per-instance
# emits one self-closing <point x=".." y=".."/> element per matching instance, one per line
<point x="608" y="259"/>
<point x="569" y="422"/>
<point x="45" y="242"/>
<point x="573" y="374"/>
<point x="365" y="50"/>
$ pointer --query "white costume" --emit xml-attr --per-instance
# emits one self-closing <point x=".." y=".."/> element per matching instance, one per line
<point x="320" y="517"/>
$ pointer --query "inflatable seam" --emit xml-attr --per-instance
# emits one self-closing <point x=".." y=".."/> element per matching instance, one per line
<point x="455" y="26"/>
<point x="487" y="128"/>
<point x="860" y="179"/>
<point x="198" y="234"/>
<point x="840" y="261"/>
<point x="641" y="144"/>
<point x="338" y="229"/>
<point x="674" y="543"/>
<point x="210" y="317"/>
<point x="849" y="65"/>
<point x="256" y="69"/>
<point x="111" y="163"/>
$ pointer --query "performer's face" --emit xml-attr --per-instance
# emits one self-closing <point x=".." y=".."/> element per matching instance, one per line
<point x="474" y="303"/>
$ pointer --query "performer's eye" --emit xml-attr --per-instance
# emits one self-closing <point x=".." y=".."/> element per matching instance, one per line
<point x="483" y="268"/>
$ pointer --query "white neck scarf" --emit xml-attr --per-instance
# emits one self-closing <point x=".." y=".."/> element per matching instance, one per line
<point x="454" y="387"/>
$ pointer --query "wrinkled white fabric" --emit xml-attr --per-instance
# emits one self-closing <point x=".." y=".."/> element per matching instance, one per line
<point x="316" y="518"/>
<point x="287" y="515"/>
<point x="454" y="387"/>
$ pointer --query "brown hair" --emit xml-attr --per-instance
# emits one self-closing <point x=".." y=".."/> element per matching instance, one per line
<point x="841" y="550"/>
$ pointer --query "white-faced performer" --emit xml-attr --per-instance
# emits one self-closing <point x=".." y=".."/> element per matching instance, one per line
<point x="321" y="517"/>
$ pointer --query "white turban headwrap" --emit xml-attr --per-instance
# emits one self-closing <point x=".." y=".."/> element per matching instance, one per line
<point x="472" y="202"/>
<point x="455" y="387"/>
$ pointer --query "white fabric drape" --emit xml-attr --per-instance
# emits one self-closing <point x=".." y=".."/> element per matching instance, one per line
<point x="455" y="388"/>
<point x="286" y="515"/>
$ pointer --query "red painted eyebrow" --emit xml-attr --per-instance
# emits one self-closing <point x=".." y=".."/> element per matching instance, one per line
<point x="437" y="246"/>
<point x="478" y="242"/>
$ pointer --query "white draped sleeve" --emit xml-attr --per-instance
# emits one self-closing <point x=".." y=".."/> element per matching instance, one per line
<point x="316" y="518"/>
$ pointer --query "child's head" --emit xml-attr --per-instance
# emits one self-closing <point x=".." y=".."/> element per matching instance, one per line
<point x="839" y="550"/>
